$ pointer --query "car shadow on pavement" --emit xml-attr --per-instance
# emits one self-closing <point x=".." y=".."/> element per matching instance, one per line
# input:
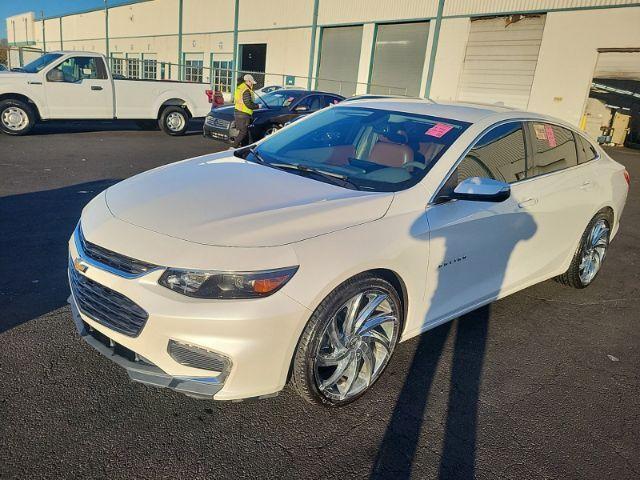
<point x="35" y="229"/>
<point x="457" y="283"/>
<point x="56" y="127"/>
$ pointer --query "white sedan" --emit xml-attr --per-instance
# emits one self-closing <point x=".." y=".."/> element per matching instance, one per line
<point x="306" y="258"/>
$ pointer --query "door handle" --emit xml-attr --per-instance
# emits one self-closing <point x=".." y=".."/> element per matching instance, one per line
<point x="586" y="185"/>
<point x="96" y="87"/>
<point x="528" y="202"/>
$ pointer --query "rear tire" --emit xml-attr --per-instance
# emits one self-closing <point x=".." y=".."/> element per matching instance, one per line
<point x="16" y="117"/>
<point x="338" y="360"/>
<point x="174" y="121"/>
<point x="590" y="255"/>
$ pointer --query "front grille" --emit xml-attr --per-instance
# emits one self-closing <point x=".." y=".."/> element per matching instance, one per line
<point x="113" y="260"/>
<point x="196" y="357"/>
<point x="106" y="306"/>
<point x="218" y="123"/>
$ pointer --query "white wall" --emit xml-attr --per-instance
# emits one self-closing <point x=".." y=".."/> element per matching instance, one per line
<point x="449" y="58"/>
<point x="568" y="56"/>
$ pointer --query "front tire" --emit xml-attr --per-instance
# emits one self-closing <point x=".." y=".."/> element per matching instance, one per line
<point x="348" y="342"/>
<point x="271" y="129"/>
<point x="588" y="259"/>
<point x="16" y="117"/>
<point x="174" y="121"/>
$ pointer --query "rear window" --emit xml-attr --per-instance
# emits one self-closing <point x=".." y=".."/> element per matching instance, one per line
<point x="554" y="149"/>
<point x="586" y="151"/>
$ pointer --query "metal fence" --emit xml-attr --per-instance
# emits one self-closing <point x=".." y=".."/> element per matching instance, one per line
<point x="220" y="78"/>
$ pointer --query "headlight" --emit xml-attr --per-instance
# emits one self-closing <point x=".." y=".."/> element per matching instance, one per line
<point x="226" y="285"/>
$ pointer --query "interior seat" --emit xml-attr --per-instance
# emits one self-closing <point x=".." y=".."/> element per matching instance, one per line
<point x="391" y="154"/>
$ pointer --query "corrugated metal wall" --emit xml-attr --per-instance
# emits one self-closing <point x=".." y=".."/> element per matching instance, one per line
<point x="466" y="7"/>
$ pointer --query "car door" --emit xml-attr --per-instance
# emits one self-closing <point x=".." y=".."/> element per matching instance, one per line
<point x="476" y="247"/>
<point x="79" y="87"/>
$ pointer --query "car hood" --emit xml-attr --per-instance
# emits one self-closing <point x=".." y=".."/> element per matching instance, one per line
<point x="223" y="200"/>
<point x="226" y="112"/>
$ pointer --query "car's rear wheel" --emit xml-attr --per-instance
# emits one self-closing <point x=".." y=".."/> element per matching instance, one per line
<point x="589" y="257"/>
<point x="174" y="121"/>
<point x="271" y="129"/>
<point x="348" y="341"/>
<point x="16" y="117"/>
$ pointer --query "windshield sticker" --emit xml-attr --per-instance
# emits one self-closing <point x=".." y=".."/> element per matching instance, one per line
<point x="541" y="132"/>
<point x="439" y="130"/>
<point x="551" y="136"/>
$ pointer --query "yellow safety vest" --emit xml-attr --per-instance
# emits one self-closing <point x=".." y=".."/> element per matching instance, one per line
<point x="239" y="102"/>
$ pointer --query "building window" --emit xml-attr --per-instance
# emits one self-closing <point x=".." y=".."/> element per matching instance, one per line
<point x="149" y="66"/>
<point x="193" y="68"/>
<point x="221" y="75"/>
<point x="133" y="66"/>
<point x="117" y="65"/>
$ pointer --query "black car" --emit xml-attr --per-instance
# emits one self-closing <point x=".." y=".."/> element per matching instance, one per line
<point x="277" y="108"/>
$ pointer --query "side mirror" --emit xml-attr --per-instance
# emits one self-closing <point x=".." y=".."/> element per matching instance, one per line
<point x="301" y="108"/>
<point x="55" y="75"/>
<point x="481" y="189"/>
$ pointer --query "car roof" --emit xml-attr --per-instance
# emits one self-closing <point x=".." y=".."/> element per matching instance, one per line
<point x="302" y="91"/>
<point x="462" y="111"/>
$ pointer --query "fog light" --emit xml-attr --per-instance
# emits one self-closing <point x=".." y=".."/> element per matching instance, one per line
<point x="197" y="357"/>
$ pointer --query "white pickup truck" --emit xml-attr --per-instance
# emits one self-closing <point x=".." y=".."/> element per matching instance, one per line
<point x="79" y="86"/>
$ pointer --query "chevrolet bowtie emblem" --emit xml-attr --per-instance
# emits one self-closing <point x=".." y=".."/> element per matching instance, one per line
<point x="79" y="265"/>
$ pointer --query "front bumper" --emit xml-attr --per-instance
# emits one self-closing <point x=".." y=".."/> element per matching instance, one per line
<point x="217" y="129"/>
<point x="257" y="336"/>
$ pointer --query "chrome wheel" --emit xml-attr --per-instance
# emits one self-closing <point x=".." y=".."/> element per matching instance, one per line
<point x="356" y="345"/>
<point x="270" y="131"/>
<point x="175" y="121"/>
<point x="15" y="118"/>
<point x="594" y="251"/>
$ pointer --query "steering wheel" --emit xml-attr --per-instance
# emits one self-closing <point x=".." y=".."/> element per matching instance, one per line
<point x="418" y="165"/>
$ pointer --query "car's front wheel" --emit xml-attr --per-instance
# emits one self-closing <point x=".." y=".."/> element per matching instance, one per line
<point x="16" y="117"/>
<point x="588" y="259"/>
<point x="348" y="341"/>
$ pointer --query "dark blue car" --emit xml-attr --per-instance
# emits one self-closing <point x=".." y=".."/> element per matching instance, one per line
<point x="277" y="108"/>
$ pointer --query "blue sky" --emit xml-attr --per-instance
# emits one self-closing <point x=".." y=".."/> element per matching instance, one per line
<point x="50" y="8"/>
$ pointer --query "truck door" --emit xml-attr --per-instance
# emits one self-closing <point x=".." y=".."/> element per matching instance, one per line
<point x="79" y="88"/>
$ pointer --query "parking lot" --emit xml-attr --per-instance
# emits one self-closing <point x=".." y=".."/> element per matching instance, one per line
<point x="542" y="384"/>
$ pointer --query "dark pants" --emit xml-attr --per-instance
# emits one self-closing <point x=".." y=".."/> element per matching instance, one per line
<point x="242" y="125"/>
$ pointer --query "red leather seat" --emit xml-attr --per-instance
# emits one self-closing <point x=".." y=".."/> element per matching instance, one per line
<point x="391" y="154"/>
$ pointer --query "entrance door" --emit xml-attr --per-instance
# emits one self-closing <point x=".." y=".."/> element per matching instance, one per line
<point x="253" y="60"/>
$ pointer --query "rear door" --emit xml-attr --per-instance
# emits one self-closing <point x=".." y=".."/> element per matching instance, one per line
<point x="79" y="87"/>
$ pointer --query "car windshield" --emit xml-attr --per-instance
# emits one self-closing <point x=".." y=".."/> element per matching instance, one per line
<point x="369" y="149"/>
<point x="277" y="99"/>
<point x="41" y="62"/>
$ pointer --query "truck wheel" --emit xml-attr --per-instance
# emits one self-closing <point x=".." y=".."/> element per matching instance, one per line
<point x="16" y="117"/>
<point x="174" y="121"/>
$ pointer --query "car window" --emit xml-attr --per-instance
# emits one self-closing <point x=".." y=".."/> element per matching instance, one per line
<point x="586" y="151"/>
<point x="500" y="154"/>
<point x="40" y="62"/>
<point x="312" y="102"/>
<point x="554" y="149"/>
<point x="277" y="99"/>
<point x="330" y="100"/>
<point x="77" y="69"/>
<point x="373" y="149"/>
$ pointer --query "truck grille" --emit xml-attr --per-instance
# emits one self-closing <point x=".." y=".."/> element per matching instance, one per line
<point x="113" y="260"/>
<point x="106" y="306"/>
<point x="218" y="123"/>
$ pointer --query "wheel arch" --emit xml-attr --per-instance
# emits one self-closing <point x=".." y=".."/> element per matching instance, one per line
<point x="22" y="98"/>
<point x="174" y="102"/>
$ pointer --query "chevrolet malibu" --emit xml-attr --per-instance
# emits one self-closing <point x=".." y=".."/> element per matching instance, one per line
<point x="307" y="257"/>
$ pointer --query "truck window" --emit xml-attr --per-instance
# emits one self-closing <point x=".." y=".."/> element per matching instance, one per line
<point x="77" y="69"/>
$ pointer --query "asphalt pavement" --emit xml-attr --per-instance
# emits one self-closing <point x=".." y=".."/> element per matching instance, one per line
<point x="544" y="384"/>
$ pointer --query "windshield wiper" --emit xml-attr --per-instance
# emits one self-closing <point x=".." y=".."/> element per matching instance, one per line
<point x="332" y="177"/>
<point x="253" y="151"/>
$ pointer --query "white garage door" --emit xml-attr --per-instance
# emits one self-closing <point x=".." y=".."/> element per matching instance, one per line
<point x="339" y="59"/>
<point x="501" y="59"/>
<point x="620" y="65"/>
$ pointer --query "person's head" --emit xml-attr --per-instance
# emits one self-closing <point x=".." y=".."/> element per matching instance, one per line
<point x="249" y="80"/>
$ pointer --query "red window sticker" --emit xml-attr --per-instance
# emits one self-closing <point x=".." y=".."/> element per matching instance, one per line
<point x="438" y="130"/>
<point x="551" y="136"/>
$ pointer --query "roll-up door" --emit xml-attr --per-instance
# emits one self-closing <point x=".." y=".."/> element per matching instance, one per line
<point x="340" y="59"/>
<point x="500" y="60"/>
<point x="398" y="58"/>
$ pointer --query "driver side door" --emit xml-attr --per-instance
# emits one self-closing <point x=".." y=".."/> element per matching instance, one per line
<point x="79" y="88"/>
<point x="475" y="246"/>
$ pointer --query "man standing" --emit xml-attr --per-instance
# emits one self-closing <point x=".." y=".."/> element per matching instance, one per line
<point x="244" y="107"/>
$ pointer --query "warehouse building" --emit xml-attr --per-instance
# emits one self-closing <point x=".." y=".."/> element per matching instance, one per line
<point x="575" y="59"/>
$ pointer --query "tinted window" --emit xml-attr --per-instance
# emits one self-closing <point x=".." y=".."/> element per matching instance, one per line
<point x="278" y="98"/>
<point x="554" y="149"/>
<point x="373" y="149"/>
<point x="331" y="100"/>
<point x="39" y="63"/>
<point x="312" y="102"/>
<point x="586" y="151"/>
<point x="76" y="69"/>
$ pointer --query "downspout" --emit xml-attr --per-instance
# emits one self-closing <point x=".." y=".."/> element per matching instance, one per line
<point x="61" y="43"/>
<point x="180" y="66"/>
<point x="434" y="49"/>
<point x="44" y="38"/>
<point x="106" y="30"/>
<point x="312" y="49"/>
<point x="234" y="73"/>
